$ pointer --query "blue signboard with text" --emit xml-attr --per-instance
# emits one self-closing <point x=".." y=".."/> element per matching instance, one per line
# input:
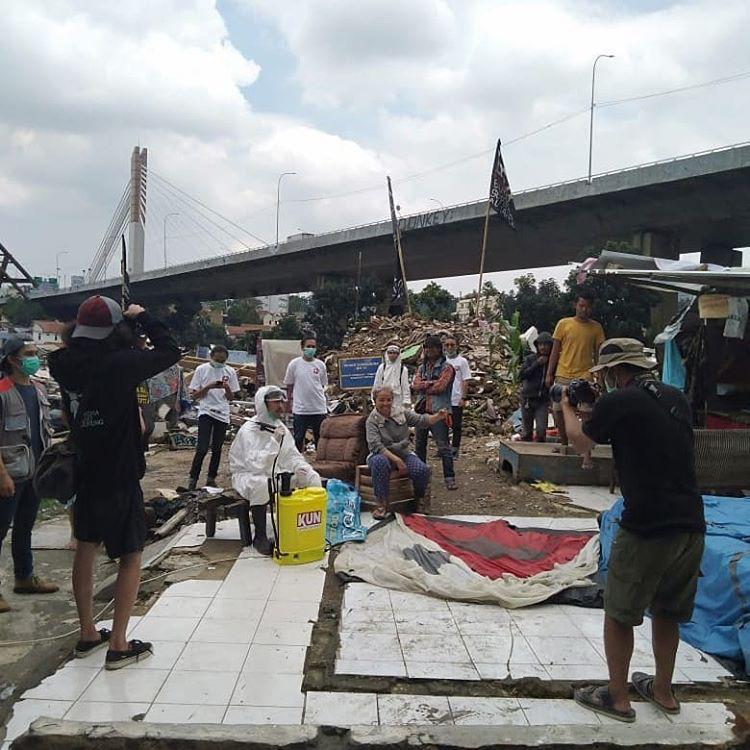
<point x="358" y="372"/>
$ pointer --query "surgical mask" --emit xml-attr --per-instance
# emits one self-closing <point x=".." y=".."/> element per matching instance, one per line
<point x="30" y="365"/>
<point x="217" y="365"/>
<point x="451" y="353"/>
<point x="610" y="381"/>
<point x="309" y="351"/>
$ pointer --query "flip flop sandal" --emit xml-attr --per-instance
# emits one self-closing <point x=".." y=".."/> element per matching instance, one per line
<point x="599" y="700"/>
<point x="84" y="648"/>
<point x="644" y="686"/>
<point x="380" y="513"/>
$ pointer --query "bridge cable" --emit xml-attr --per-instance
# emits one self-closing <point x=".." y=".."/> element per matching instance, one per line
<point x="177" y="196"/>
<point x="208" y="208"/>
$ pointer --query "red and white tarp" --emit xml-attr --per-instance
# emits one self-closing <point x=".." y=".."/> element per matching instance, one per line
<point x="468" y="561"/>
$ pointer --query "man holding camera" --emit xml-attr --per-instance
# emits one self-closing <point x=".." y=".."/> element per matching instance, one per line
<point x="655" y="558"/>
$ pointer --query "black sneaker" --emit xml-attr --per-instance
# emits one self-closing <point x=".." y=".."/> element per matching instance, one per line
<point x="263" y="546"/>
<point x="84" y="648"/>
<point x="137" y="651"/>
<point x="191" y="484"/>
<point x="211" y="482"/>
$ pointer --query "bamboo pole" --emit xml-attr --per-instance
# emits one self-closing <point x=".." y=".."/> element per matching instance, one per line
<point x="403" y="268"/>
<point x="481" y="262"/>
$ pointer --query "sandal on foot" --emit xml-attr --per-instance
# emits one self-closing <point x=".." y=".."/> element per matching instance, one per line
<point x="599" y="700"/>
<point x="137" y="651"/>
<point x="84" y="648"/>
<point x="380" y="513"/>
<point x="644" y="686"/>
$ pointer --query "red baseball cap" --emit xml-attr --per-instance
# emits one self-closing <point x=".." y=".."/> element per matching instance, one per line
<point x="97" y="318"/>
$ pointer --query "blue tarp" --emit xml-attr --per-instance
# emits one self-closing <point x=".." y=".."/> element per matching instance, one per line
<point x="721" y="619"/>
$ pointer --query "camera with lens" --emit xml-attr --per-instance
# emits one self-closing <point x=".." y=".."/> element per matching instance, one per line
<point x="579" y="392"/>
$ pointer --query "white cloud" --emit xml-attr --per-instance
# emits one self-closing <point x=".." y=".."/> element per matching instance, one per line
<point x="418" y="83"/>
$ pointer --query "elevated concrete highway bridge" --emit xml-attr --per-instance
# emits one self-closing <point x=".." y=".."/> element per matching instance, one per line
<point x="694" y="203"/>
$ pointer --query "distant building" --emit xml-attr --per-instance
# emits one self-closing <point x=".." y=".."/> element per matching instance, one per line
<point x="47" y="331"/>
<point x="466" y="307"/>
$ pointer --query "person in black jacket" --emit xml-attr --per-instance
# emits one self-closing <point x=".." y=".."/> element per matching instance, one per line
<point x="534" y="392"/>
<point x="99" y="373"/>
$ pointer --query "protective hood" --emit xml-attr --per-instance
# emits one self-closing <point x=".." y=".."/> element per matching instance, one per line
<point x="261" y="410"/>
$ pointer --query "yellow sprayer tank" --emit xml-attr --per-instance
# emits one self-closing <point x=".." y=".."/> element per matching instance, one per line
<point x="301" y="523"/>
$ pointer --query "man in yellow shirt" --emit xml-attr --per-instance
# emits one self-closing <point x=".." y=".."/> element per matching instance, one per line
<point x="574" y="352"/>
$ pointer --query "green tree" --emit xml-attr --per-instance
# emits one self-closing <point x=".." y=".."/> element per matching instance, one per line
<point x="288" y="328"/>
<point x="22" y="312"/>
<point x="332" y="307"/>
<point x="202" y="332"/>
<point x="297" y="304"/>
<point x="434" y="302"/>
<point x="243" y="311"/>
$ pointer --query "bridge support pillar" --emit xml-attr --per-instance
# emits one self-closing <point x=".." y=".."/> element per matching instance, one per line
<point x="656" y="245"/>
<point x="136" y="228"/>
<point x="659" y="245"/>
<point x="722" y="255"/>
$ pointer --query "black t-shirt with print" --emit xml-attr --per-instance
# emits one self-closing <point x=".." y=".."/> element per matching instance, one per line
<point x="649" y="426"/>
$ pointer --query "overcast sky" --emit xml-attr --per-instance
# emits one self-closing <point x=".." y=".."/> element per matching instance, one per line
<point x="228" y="94"/>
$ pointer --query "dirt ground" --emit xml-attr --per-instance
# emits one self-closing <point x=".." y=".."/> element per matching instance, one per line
<point x="482" y="490"/>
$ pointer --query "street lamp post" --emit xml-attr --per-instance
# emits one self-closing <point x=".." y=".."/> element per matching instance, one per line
<point x="591" y="118"/>
<point x="57" y="264"/>
<point x="166" y="216"/>
<point x="278" y="202"/>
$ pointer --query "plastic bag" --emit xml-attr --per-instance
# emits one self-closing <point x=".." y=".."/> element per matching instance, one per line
<point x="342" y="519"/>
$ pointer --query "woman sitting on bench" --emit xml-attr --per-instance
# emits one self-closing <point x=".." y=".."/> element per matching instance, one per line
<point x="390" y="448"/>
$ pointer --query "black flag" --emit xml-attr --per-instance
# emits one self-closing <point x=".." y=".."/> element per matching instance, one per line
<point x="125" y="286"/>
<point x="398" y="298"/>
<point x="501" y="198"/>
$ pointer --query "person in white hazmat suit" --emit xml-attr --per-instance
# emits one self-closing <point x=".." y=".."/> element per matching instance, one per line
<point x="264" y="446"/>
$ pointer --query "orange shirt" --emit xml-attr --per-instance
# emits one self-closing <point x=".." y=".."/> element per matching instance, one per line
<point x="579" y="347"/>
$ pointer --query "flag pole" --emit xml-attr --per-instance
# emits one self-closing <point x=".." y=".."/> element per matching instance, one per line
<point x="481" y="261"/>
<point x="403" y="269"/>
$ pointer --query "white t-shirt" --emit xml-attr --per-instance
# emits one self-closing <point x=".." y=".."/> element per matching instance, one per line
<point x="461" y="366"/>
<point x="214" y="403"/>
<point x="309" y="379"/>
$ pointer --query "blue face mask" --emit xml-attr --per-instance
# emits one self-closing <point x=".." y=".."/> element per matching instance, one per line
<point x="610" y="382"/>
<point x="309" y="351"/>
<point x="217" y="365"/>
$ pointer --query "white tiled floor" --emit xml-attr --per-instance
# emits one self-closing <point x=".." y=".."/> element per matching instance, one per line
<point x="233" y="652"/>
<point x="230" y="650"/>
<point x="389" y="633"/>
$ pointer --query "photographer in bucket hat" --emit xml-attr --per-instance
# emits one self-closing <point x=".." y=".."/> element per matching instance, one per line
<point x="655" y="558"/>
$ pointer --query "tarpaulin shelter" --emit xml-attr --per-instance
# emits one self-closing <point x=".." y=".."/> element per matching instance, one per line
<point x="721" y="620"/>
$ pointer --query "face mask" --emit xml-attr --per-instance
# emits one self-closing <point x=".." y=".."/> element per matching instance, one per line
<point x="610" y="381"/>
<point x="309" y="351"/>
<point x="30" y="365"/>
<point x="217" y="365"/>
<point x="451" y="353"/>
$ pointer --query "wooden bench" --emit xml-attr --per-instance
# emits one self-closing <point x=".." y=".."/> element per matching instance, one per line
<point x="234" y="506"/>
<point x="400" y="492"/>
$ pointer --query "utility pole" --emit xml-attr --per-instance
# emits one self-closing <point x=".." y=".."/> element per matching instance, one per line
<point x="278" y="203"/>
<point x="57" y="264"/>
<point x="591" y="117"/>
<point x="136" y="228"/>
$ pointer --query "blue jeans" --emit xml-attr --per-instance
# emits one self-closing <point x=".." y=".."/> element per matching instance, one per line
<point x="20" y="510"/>
<point x="440" y="432"/>
<point x="380" y="468"/>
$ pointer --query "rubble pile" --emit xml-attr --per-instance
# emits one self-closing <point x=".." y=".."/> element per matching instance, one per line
<point x="492" y="394"/>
